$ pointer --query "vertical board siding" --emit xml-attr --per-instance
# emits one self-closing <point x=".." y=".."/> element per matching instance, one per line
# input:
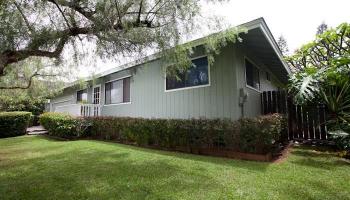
<point x="219" y="100"/>
<point x="149" y="98"/>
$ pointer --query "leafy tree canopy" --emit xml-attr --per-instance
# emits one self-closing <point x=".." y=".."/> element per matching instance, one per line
<point x="321" y="28"/>
<point x="116" y="27"/>
<point x="323" y="69"/>
<point x="282" y="44"/>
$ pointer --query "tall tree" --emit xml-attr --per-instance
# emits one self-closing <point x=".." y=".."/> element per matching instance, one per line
<point x="282" y="44"/>
<point x="45" y="28"/>
<point x="321" y="28"/>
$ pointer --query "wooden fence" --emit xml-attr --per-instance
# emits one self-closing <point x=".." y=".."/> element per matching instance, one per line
<point x="304" y="122"/>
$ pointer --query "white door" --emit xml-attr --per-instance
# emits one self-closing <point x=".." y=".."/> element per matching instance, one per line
<point x="96" y="99"/>
<point x="96" y="95"/>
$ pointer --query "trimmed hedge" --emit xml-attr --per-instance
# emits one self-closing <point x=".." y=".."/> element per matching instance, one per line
<point x="34" y="105"/>
<point x="255" y="135"/>
<point x="63" y="125"/>
<point x="14" y="123"/>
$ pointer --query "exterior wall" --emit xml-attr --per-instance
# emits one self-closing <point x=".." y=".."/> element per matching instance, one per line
<point x="67" y="97"/>
<point x="218" y="100"/>
<point x="150" y="100"/>
<point x="252" y="107"/>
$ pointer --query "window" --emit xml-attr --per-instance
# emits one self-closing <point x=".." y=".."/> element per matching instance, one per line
<point x="117" y="91"/>
<point x="252" y="75"/>
<point x="267" y="76"/>
<point x="196" y="75"/>
<point x="82" y="96"/>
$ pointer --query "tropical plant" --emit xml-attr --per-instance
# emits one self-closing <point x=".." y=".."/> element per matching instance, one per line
<point x="323" y="72"/>
<point x="322" y="76"/>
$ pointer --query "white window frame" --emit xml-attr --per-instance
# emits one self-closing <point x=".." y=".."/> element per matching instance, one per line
<point x="192" y="87"/>
<point x="92" y="94"/>
<point x="104" y="93"/>
<point x="245" y="74"/>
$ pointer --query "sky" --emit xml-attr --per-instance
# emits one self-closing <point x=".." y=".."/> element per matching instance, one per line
<point x="296" y="20"/>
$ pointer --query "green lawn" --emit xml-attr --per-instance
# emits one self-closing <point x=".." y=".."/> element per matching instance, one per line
<point x="35" y="167"/>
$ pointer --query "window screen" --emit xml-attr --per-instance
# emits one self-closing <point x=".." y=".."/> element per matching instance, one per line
<point x="117" y="91"/>
<point x="252" y="75"/>
<point x="196" y="75"/>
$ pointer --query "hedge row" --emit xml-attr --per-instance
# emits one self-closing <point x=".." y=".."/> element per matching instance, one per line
<point x="14" y="123"/>
<point x="256" y="135"/>
<point x="63" y="125"/>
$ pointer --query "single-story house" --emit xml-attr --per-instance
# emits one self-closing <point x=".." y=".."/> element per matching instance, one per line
<point x="229" y="88"/>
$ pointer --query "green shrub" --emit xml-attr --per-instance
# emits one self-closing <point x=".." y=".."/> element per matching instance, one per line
<point x="261" y="133"/>
<point x="14" y="123"/>
<point x="256" y="135"/>
<point x="34" y="105"/>
<point x="63" y="125"/>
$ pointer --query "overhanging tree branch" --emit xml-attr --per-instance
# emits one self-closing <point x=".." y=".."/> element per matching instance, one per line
<point x="30" y="81"/>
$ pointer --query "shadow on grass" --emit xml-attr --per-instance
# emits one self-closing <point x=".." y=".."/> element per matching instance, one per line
<point x="89" y="169"/>
<point x="317" y="157"/>
<point x="102" y="174"/>
<point x="248" y="165"/>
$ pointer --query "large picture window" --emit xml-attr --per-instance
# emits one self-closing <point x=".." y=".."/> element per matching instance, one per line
<point x="252" y="75"/>
<point x="82" y="96"/>
<point x="117" y="91"/>
<point x="196" y="75"/>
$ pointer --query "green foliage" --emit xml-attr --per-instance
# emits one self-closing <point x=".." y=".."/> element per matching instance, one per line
<point x="261" y="133"/>
<point x="63" y="125"/>
<point x="323" y="73"/>
<point x="34" y="77"/>
<point x="180" y="55"/>
<point x="339" y="133"/>
<point x="256" y="135"/>
<point x="14" y="123"/>
<point x="113" y="28"/>
<point x="23" y="103"/>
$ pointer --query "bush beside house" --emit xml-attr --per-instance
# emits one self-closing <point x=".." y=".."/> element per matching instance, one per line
<point x="256" y="135"/>
<point x="14" y="123"/>
<point x="34" y="105"/>
<point x="63" y="125"/>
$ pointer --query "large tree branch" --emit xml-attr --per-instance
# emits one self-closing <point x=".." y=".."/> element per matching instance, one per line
<point x="75" y="6"/>
<point x="31" y="29"/>
<point x="30" y="81"/>
<point x="61" y="11"/>
<point x="12" y="56"/>
<point x="51" y="43"/>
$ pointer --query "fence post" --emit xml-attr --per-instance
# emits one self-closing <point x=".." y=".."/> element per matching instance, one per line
<point x="269" y="102"/>
<point x="290" y="114"/>
<point x="323" y="122"/>
<point x="305" y="122"/>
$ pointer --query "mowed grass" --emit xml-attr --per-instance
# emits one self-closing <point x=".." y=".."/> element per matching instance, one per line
<point x="36" y="167"/>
